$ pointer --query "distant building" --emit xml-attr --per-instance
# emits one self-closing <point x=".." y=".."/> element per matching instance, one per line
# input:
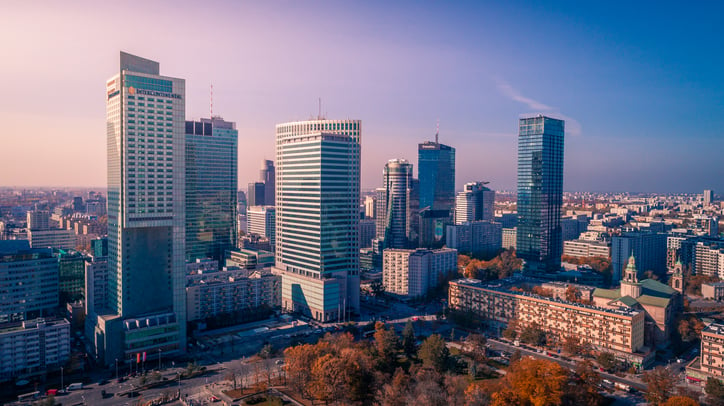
<point x="255" y="242"/>
<point x="413" y="273"/>
<point x="585" y="249"/>
<point x="436" y="171"/>
<point x="714" y="290"/>
<point x="256" y="194"/>
<point x="267" y="174"/>
<point x="95" y="287"/>
<point x="397" y="179"/>
<point x="38" y="220"/>
<point x="477" y="237"/>
<point x="706" y="225"/>
<point x="261" y="220"/>
<point x="28" y="282"/>
<point x="52" y="238"/>
<point x="367" y="232"/>
<point x="648" y="248"/>
<point x="250" y="259"/>
<point x="708" y="197"/>
<point x="432" y="227"/>
<point x="476" y="202"/>
<point x="540" y="193"/>
<point x="33" y="347"/>
<point x="99" y="247"/>
<point x="370" y="207"/>
<point x="710" y="363"/>
<point x="71" y="275"/>
<point x="508" y="220"/>
<point x="510" y="236"/>
<point x="709" y="258"/>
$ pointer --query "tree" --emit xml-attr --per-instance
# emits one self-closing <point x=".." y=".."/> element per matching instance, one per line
<point x="475" y="347"/>
<point x="572" y="345"/>
<point x="583" y="386"/>
<point x="661" y="384"/>
<point x="266" y="351"/>
<point x="680" y="401"/>
<point x="378" y="289"/>
<point x="395" y="392"/>
<point x="386" y="344"/>
<point x="536" y="381"/>
<point x="606" y="360"/>
<point x="714" y="392"/>
<point x="515" y="356"/>
<point x="573" y="294"/>
<point x="475" y="395"/>
<point x="511" y="331"/>
<point x="408" y="339"/>
<point x="533" y="334"/>
<point x="434" y="353"/>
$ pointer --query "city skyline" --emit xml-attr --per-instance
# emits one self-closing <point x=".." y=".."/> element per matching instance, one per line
<point x="629" y="92"/>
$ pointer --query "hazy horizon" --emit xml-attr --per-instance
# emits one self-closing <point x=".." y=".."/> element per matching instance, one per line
<point x="639" y="85"/>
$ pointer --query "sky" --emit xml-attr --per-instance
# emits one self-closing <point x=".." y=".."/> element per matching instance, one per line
<point x="640" y="84"/>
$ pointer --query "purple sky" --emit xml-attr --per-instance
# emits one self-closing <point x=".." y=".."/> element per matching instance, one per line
<point x="640" y="86"/>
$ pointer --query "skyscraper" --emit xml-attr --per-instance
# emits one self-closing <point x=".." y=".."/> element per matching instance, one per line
<point x="267" y="174"/>
<point x="540" y="193"/>
<point x="256" y="194"/>
<point x="146" y="224"/>
<point x="436" y="166"/>
<point x="475" y="202"/>
<point x="261" y="220"/>
<point x="397" y="179"/>
<point x="318" y="188"/>
<point x="211" y="188"/>
<point x="708" y="197"/>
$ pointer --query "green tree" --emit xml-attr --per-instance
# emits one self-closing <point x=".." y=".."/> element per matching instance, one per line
<point x="434" y="353"/>
<point x="408" y="339"/>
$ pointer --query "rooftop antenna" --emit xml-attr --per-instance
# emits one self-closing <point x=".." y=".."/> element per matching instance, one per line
<point x="211" y="102"/>
<point x="437" y="131"/>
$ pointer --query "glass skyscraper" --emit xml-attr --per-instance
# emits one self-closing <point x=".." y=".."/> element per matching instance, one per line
<point x="317" y="216"/>
<point x="211" y="188"/>
<point x="540" y="193"/>
<point x="397" y="177"/>
<point x="146" y="306"/>
<point x="436" y="166"/>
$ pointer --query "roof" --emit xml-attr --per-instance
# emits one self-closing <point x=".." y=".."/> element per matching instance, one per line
<point x="653" y="293"/>
<point x="654" y="301"/>
<point x="656" y="288"/>
<point x="607" y="293"/>
<point x="627" y="300"/>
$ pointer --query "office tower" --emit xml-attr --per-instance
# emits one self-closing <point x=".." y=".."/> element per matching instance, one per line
<point x="255" y="195"/>
<point x="436" y="167"/>
<point x="540" y="193"/>
<point x="267" y="174"/>
<point x="146" y="221"/>
<point x="211" y="188"/>
<point x="38" y="220"/>
<point x="28" y="280"/>
<point x="380" y="212"/>
<point x="318" y="175"/>
<point x="510" y="237"/>
<point x="708" y="197"/>
<point x="397" y="177"/>
<point x="648" y="248"/>
<point x="261" y="220"/>
<point x="99" y="247"/>
<point x="71" y="275"/>
<point x="476" y="202"/>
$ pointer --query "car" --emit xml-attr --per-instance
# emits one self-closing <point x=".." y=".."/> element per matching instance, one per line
<point x="214" y="399"/>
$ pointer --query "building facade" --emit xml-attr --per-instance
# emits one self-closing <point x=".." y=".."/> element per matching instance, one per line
<point x="397" y="179"/>
<point x="477" y="237"/>
<point x="28" y="282"/>
<point x="476" y="202"/>
<point x="412" y="274"/>
<point x="585" y="249"/>
<point x="620" y="332"/>
<point x="33" y="347"/>
<point x="317" y="230"/>
<point x="436" y="172"/>
<point x="53" y="238"/>
<point x="648" y="248"/>
<point x="211" y="187"/>
<point x="145" y="120"/>
<point x="261" y="220"/>
<point x="540" y="193"/>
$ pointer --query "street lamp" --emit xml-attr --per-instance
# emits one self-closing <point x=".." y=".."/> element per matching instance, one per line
<point x="116" y="369"/>
<point x="61" y="379"/>
<point x="159" y="360"/>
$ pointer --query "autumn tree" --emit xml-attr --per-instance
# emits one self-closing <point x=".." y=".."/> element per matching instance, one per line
<point x="434" y="353"/>
<point x="572" y="345"/>
<point x="533" y="334"/>
<point x="661" y="384"/>
<point x="606" y="360"/>
<point x="680" y="401"/>
<point x="573" y="294"/>
<point x="475" y="346"/>
<point x="428" y="388"/>
<point x="395" y="392"/>
<point x="714" y="392"/>
<point x="583" y="387"/>
<point x="386" y="345"/>
<point x="298" y="364"/>
<point x="533" y="381"/>
<point x="475" y="395"/>
<point x="511" y="331"/>
<point x="541" y="291"/>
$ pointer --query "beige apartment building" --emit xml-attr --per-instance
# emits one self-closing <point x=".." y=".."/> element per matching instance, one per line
<point x="619" y="331"/>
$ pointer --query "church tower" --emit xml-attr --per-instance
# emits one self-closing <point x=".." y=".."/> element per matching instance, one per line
<point x="630" y="285"/>
<point x="677" y="278"/>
